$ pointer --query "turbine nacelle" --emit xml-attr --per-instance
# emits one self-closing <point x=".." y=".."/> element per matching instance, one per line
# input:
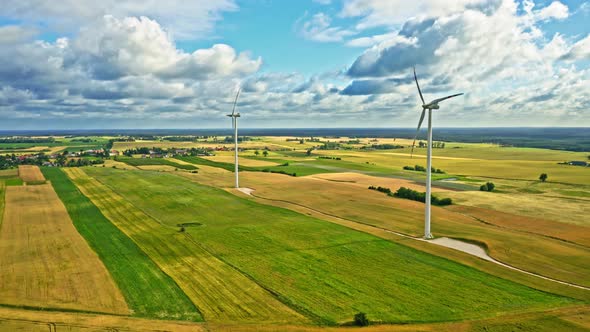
<point x="237" y="115"/>
<point x="431" y="106"/>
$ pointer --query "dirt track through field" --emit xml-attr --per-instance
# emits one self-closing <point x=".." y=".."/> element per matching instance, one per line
<point x="45" y="263"/>
<point x="30" y="173"/>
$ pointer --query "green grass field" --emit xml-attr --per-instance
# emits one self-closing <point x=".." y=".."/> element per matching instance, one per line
<point x="147" y="290"/>
<point x="325" y="270"/>
<point x="154" y="161"/>
<point x="221" y="293"/>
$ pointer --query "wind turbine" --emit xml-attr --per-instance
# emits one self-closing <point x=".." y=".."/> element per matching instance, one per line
<point x="234" y="120"/>
<point x="433" y="105"/>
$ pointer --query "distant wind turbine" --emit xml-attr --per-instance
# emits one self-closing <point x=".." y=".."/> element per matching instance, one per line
<point x="433" y="105"/>
<point x="234" y="120"/>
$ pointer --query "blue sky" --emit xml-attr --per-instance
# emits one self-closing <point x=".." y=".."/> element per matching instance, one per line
<point x="308" y="63"/>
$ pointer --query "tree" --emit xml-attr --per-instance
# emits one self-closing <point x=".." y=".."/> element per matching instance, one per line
<point x="361" y="319"/>
<point x="256" y="152"/>
<point x="265" y="153"/>
<point x="487" y="187"/>
<point x="543" y="177"/>
<point x="308" y="153"/>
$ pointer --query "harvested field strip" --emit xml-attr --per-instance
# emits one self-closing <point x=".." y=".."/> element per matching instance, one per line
<point x="326" y="269"/>
<point x="29" y="173"/>
<point x="148" y="291"/>
<point x="243" y="161"/>
<point x="220" y="292"/>
<point x="44" y="262"/>
<point x="552" y="229"/>
<point x="154" y="161"/>
<point x="16" y="319"/>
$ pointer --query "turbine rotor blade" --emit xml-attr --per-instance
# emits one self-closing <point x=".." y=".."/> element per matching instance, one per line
<point x="417" y="131"/>
<point x="445" y="98"/>
<point x="235" y="102"/>
<point x="418" y="86"/>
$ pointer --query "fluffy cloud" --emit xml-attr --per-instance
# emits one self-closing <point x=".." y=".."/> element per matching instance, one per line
<point x="498" y="55"/>
<point x="391" y="12"/>
<point x="184" y="18"/>
<point x="319" y="29"/>
<point x="115" y="48"/>
<point x="555" y="10"/>
<point x="579" y="51"/>
<point x="126" y="66"/>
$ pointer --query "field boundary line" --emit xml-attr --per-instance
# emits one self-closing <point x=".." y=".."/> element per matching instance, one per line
<point x="491" y="259"/>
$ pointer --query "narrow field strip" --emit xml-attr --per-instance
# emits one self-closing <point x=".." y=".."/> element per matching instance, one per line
<point x="326" y="269"/>
<point x="15" y="319"/>
<point x="155" y="162"/>
<point x="148" y="291"/>
<point x="220" y="292"/>
<point x="44" y="262"/>
<point x="30" y="174"/>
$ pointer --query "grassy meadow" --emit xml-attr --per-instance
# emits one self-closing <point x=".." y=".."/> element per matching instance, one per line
<point x="305" y="257"/>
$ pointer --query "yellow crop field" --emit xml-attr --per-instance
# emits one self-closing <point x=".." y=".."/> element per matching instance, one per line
<point x="13" y="319"/>
<point x="571" y="211"/>
<point x="569" y="232"/>
<point x="220" y="292"/>
<point x="45" y="262"/>
<point x="30" y="173"/>
<point x="490" y="163"/>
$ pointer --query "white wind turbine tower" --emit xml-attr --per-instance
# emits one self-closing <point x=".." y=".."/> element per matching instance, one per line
<point x="234" y="120"/>
<point x="433" y="105"/>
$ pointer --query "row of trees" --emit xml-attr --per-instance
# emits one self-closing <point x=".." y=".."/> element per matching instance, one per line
<point x="33" y="140"/>
<point x="383" y="146"/>
<point x="414" y="195"/>
<point x="423" y="169"/>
